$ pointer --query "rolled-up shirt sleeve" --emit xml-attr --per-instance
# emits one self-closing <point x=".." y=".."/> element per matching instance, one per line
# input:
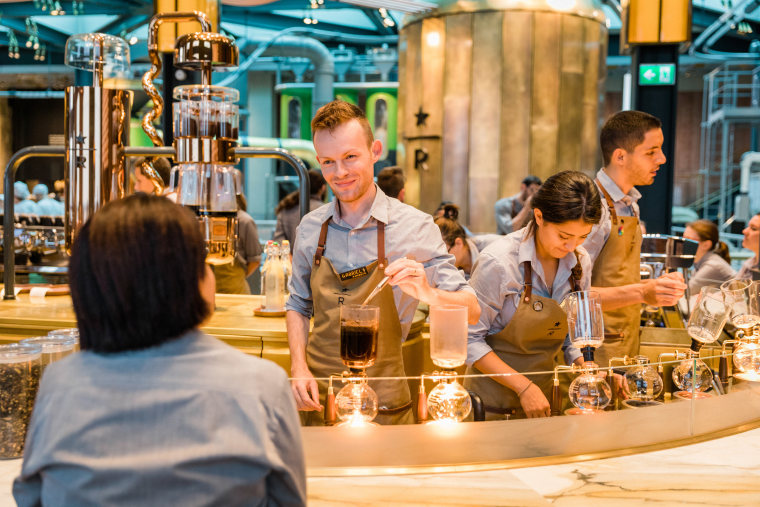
<point x="488" y="281"/>
<point x="299" y="286"/>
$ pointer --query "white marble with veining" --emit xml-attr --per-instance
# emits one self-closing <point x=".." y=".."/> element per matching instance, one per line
<point x="722" y="472"/>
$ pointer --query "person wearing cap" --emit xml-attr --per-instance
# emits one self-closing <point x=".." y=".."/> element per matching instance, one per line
<point x="24" y="205"/>
<point x="45" y="204"/>
<point x="513" y="213"/>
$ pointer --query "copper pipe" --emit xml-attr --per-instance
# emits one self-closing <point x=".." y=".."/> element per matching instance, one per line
<point x="155" y="68"/>
<point x="97" y="72"/>
<point x="330" y="412"/>
<point x="422" y="411"/>
<point x="556" y="403"/>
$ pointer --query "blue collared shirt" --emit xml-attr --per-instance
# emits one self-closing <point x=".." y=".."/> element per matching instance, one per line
<point x="626" y="205"/>
<point x="408" y="231"/>
<point x="498" y="281"/>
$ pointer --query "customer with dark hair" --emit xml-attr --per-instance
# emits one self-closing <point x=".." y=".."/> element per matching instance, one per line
<point x="465" y="248"/>
<point x="152" y="411"/>
<point x="631" y="144"/>
<point x="391" y="181"/>
<point x="288" y="212"/>
<point x="512" y="213"/>
<point x="520" y="280"/>
<point x="712" y="262"/>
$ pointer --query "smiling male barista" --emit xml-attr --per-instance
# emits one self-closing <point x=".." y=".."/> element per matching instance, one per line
<point x="631" y="143"/>
<point x="344" y="249"/>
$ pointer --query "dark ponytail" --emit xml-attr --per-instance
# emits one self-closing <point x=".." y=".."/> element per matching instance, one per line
<point x="566" y="196"/>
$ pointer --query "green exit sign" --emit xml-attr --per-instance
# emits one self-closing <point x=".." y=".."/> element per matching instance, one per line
<point x="657" y="74"/>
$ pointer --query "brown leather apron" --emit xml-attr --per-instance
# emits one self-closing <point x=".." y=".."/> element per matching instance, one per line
<point x="331" y="289"/>
<point x="231" y="279"/>
<point x="617" y="265"/>
<point x="530" y="342"/>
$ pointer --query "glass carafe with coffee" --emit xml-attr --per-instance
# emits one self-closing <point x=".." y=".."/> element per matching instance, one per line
<point x="357" y="403"/>
<point x="710" y="313"/>
<point x="589" y="392"/>
<point x="449" y="401"/>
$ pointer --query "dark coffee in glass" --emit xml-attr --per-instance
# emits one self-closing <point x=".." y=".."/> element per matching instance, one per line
<point x="358" y="335"/>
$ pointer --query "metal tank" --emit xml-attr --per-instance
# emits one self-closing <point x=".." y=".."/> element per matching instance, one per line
<point x="491" y="91"/>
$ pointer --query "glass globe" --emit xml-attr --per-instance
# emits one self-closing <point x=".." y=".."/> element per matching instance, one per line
<point x="684" y="375"/>
<point x="644" y="383"/>
<point x="356" y="404"/>
<point x="449" y="401"/>
<point x="590" y="392"/>
<point x="747" y="361"/>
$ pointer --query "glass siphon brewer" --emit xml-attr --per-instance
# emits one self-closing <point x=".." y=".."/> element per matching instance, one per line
<point x="205" y="125"/>
<point x="448" y="401"/>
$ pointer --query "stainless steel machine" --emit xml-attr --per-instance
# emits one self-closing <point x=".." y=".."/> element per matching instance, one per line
<point x="97" y="138"/>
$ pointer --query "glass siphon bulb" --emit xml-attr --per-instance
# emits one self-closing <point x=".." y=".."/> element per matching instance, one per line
<point x="449" y="401"/>
<point x="684" y="375"/>
<point x="356" y="403"/>
<point x="589" y="391"/>
<point x="747" y="360"/>
<point x="644" y="383"/>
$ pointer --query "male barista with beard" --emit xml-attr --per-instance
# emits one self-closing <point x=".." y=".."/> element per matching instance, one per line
<point x="631" y="144"/>
<point x="343" y="250"/>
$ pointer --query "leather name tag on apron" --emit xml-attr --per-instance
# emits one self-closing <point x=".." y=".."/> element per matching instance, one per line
<point x="354" y="273"/>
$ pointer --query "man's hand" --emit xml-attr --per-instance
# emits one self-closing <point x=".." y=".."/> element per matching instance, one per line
<point x="665" y="290"/>
<point x="534" y="403"/>
<point x="305" y="389"/>
<point x="409" y="276"/>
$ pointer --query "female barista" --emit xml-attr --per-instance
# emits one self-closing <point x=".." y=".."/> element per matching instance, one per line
<point x="520" y="280"/>
<point x="464" y="249"/>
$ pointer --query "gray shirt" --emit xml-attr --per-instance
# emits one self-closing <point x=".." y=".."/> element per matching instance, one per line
<point x="288" y="220"/>
<point x="189" y="422"/>
<point x="626" y="205"/>
<point x="746" y="270"/>
<point x="711" y="270"/>
<point x="506" y="209"/>
<point x="408" y="231"/>
<point x="248" y="244"/>
<point x="498" y="281"/>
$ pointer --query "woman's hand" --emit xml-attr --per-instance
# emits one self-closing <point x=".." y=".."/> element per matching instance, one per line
<point x="534" y="403"/>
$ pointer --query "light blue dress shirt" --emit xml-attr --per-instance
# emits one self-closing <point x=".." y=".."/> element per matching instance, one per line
<point x="626" y="205"/>
<point x="190" y="422"/>
<point x="498" y="282"/>
<point x="408" y="231"/>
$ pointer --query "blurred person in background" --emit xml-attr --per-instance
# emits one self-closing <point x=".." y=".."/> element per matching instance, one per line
<point x="24" y="205"/>
<point x="514" y="213"/>
<point x="391" y="181"/>
<point x="712" y="262"/>
<point x="288" y="212"/>
<point x="464" y="248"/>
<point x="231" y="278"/>
<point x="750" y="242"/>
<point x="46" y="205"/>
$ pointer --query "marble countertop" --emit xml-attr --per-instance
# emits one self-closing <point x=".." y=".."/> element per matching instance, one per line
<point x="721" y="472"/>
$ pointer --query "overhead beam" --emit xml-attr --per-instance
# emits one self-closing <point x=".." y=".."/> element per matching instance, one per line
<point x="240" y="15"/>
<point x="48" y="35"/>
<point x="127" y="23"/>
<point x="377" y="20"/>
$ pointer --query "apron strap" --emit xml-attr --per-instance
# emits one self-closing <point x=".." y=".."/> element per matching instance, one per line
<point x="321" y="244"/>
<point x="528" y="283"/>
<point x="381" y="260"/>
<point x="610" y="203"/>
<point x="576" y="274"/>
